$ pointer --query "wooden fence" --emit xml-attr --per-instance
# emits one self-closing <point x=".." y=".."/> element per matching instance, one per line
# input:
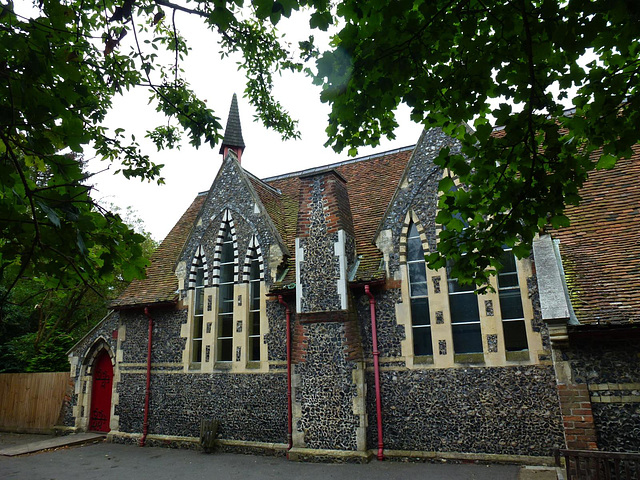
<point x="31" y="402"/>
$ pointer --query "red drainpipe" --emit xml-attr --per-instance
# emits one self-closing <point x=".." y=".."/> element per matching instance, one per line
<point x="289" y="416"/>
<point x="376" y="367"/>
<point x="145" y="423"/>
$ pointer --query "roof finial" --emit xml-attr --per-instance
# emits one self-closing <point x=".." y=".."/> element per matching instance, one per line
<point x="233" y="133"/>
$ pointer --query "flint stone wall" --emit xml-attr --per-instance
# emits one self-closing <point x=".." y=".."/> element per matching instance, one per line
<point x="326" y="391"/>
<point x="250" y="407"/>
<point x="598" y="362"/>
<point x="167" y="345"/>
<point x="498" y="410"/>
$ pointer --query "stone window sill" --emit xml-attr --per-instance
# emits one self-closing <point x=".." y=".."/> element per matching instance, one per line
<point x="521" y="356"/>
<point x="222" y="365"/>
<point x="468" y="358"/>
<point x="423" y="360"/>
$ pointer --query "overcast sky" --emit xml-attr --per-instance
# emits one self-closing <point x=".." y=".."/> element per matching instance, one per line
<point x="188" y="171"/>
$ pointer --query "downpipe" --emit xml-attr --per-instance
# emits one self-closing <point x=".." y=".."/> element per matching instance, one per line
<point x="145" y="423"/>
<point x="289" y="413"/>
<point x="376" y="368"/>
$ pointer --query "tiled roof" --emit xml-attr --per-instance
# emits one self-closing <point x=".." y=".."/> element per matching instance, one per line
<point x="601" y="248"/>
<point x="161" y="284"/>
<point x="371" y="182"/>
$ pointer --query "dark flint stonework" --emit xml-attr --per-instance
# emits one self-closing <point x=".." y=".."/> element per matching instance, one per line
<point x="390" y="334"/>
<point x="492" y="343"/>
<point x="250" y="407"/>
<point x="326" y="391"/>
<point x="436" y="284"/>
<point x="276" y="337"/>
<point x="319" y="274"/>
<point x="167" y="343"/>
<point x="439" y="317"/>
<point x="320" y="270"/>
<point x="600" y="361"/>
<point x="617" y="426"/>
<point x="488" y="308"/>
<point x="442" y="347"/>
<point x="497" y="410"/>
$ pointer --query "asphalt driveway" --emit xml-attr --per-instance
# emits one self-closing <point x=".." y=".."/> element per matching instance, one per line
<point x="106" y="461"/>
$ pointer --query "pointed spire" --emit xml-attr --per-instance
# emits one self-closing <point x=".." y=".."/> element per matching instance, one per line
<point x="233" y="133"/>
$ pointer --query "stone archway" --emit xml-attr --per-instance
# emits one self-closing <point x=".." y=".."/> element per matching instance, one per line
<point x="101" y="388"/>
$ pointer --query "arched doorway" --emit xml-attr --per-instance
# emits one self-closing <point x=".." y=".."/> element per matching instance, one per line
<point x="102" y="381"/>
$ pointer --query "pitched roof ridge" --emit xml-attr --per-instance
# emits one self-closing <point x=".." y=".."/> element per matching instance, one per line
<point x="332" y="166"/>
<point x="262" y="182"/>
<point x="567" y="112"/>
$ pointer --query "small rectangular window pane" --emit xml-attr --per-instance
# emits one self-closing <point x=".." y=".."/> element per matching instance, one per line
<point x="419" y="289"/>
<point x="197" y="327"/>
<point x="200" y="276"/>
<point x="508" y="261"/>
<point x="511" y="304"/>
<point x="420" y="311"/>
<point x="515" y="336"/>
<point x="422" y="341"/>
<point x="507" y="280"/>
<point x="417" y="272"/>
<point x="455" y="286"/>
<point x="414" y="250"/>
<point x="227" y="252"/>
<point x="224" y="352"/>
<point x="254" y="272"/>
<point x="226" y="307"/>
<point x="226" y="326"/>
<point x="199" y="292"/>
<point x="254" y="323"/>
<point x="464" y="307"/>
<point x="467" y="338"/>
<point x="226" y="273"/>
<point x="197" y="351"/>
<point x="254" y="349"/>
<point x="226" y="291"/>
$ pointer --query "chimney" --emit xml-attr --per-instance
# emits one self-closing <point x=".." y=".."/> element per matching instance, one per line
<point x="325" y="245"/>
<point x="233" y="132"/>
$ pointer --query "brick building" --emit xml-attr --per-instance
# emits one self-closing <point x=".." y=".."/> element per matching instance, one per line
<point x="297" y="311"/>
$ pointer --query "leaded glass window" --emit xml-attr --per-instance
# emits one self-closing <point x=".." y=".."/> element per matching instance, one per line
<point x="225" y="298"/>
<point x="198" y="314"/>
<point x="465" y="316"/>
<point x="418" y="293"/>
<point x="513" y="326"/>
<point x="254" y="309"/>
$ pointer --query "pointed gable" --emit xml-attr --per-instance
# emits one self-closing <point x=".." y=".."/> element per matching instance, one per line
<point x="233" y="191"/>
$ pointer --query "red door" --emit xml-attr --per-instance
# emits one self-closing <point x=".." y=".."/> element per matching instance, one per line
<point x="101" y="393"/>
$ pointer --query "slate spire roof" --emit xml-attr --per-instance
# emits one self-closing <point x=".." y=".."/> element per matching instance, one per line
<point x="233" y="131"/>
